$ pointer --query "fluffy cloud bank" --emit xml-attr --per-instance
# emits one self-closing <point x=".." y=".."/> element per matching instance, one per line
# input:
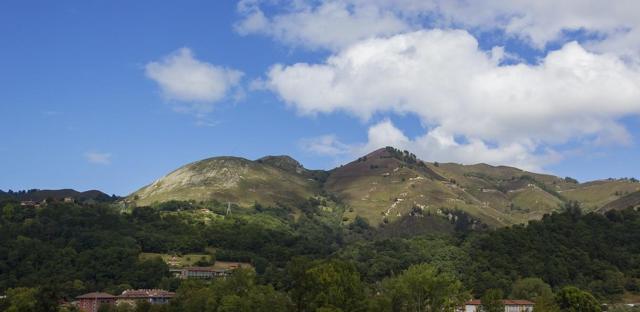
<point x="334" y="24"/>
<point x="199" y="84"/>
<point x="475" y="104"/>
<point x="475" y="109"/>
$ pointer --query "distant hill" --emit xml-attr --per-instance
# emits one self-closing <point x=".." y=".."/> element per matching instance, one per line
<point x="385" y="186"/>
<point x="40" y="195"/>
<point x="629" y="200"/>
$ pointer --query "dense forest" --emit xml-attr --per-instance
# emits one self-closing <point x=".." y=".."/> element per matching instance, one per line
<point x="308" y="258"/>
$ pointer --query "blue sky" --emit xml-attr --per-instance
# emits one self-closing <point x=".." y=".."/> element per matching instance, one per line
<point x="83" y="108"/>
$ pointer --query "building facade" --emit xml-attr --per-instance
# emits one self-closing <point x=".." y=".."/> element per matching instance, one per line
<point x="92" y="301"/>
<point x="200" y="272"/>
<point x="509" y="305"/>
<point x="153" y="296"/>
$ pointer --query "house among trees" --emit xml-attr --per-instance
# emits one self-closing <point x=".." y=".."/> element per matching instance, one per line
<point x="91" y="302"/>
<point x="219" y="269"/>
<point x="153" y="296"/>
<point x="32" y="203"/>
<point x="200" y="272"/>
<point x="509" y="305"/>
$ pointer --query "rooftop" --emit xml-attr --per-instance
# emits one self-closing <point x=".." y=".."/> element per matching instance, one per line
<point x="205" y="269"/>
<point x="504" y="301"/>
<point x="96" y="295"/>
<point x="130" y="293"/>
<point x="146" y="293"/>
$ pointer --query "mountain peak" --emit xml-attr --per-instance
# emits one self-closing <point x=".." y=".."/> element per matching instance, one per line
<point x="284" y="162"/>
<point x="386" y="184"/>
<point x="392" y="152"/>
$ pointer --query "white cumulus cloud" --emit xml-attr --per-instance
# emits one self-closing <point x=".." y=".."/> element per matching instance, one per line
<point x="327" y="145"/>
<point x="437" y="145"/>
<point x="503" y="113"/>
<point x="186" y="79"/>
<point x="98" y="158"/>
<point x="332" y="24"/>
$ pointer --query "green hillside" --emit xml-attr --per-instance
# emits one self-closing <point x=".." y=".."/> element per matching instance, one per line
<point x="631" y="200"/>
<point x="596" y="194"/>
<point x="237" y="180"/>
<point x="384" y="186"/>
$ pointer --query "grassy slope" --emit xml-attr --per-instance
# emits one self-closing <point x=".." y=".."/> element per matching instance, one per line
<point x="596" y="194"/>
<point x="179" y="260"/>
<point x="238" y="180"/>
<point x="381" y="186"/>
<point x="384" y="185"/>
<point x="629" y="200"/>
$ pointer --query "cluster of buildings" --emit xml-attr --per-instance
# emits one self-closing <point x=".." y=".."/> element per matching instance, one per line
<point x="92" y="301"/>
<point x="509" y="305"/>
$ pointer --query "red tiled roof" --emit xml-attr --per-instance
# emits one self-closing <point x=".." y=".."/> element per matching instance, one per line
<point x="505" y="302"/>
<point x="96" y="295"/>
<point x="145" y="293"/>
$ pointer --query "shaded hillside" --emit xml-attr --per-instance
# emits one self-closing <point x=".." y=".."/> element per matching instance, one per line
<point x="40" y="195"/>
<point x="628" y="201"/>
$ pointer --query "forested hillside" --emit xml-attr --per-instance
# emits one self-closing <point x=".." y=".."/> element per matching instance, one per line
<point x="309" y="257"/>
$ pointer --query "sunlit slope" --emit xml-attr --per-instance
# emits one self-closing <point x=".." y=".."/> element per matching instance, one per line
<point x="386" y="185"/>
<point x="597" y="194"/>
<point x="232" y="179"/>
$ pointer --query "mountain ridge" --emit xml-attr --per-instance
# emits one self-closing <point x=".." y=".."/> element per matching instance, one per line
<point x="383" y="186"/>
<point x="57" y="194"/>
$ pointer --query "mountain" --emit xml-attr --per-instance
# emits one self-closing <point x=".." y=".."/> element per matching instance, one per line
<point x="388" y="184"/>
<point x="269" y="181"/>
<point x="40" y="195"/>
<point x="384" y="186"/>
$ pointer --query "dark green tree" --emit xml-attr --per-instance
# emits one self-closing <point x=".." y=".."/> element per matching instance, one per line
<point x="530" y="288"/>
<point x="22" y="299"/>
<point x="492" y="301"/>
<point x="572" y="299"/>
<point x="330" y="284"/>
<point x="423" y="288"/>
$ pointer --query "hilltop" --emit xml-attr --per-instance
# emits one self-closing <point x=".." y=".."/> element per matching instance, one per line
<point x="387" y="185"/>
<point x="268" y="181"/>
<point x="38" y="195"/>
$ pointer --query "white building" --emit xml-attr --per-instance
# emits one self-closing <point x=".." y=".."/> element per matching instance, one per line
<point x="509" y="305"/>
